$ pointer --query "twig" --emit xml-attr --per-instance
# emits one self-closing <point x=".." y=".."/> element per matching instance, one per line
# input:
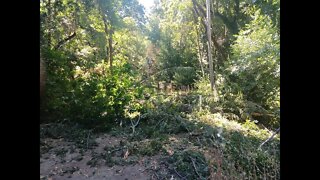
<point x="148" y="168"/>
<point x="116" y="150"/>
<point x="270" y="138"/>
<point x="134" y="125"/>
<point x="159" y="122"/>
<point x="195" y="169"/>
<point x="155" y="173"/>
<point x="178" y="174"/>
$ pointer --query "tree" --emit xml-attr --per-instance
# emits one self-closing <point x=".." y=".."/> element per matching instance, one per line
<point x="112" y="12"/>
<point x="79" y="84"/>
<point x="255" y="64"/>
<point x="172" y="31"/>
<point x="213" y="87"/>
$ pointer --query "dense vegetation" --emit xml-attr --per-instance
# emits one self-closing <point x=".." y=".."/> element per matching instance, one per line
<point x="112" y="68"/>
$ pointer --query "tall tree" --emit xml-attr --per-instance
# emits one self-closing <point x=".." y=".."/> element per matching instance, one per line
<point x="213" y="86"/>
<point x="113" y="12"/>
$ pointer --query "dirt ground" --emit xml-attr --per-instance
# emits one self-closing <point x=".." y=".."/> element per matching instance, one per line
<point x="64" y="160"/>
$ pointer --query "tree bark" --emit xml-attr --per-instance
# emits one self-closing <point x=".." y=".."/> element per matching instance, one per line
<point x="200" y="55"/>
<point x="42" y="77"/>
<point x="110" y="49"/>
<point x="198" y="41"/>
<point x="213" y="87"/>
<point x="219" y="48"/>
<point x="109" y="32"/>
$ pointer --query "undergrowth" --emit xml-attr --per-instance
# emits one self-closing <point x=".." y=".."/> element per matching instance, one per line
<point x="207" y="145"/>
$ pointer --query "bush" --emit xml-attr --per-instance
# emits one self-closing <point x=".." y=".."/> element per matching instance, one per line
<point x="88" y="95"/>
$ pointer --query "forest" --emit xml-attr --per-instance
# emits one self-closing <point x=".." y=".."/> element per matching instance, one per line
<point x="182" y="89"/>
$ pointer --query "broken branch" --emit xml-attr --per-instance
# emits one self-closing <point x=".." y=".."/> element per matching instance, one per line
<point x="270" y="138"/>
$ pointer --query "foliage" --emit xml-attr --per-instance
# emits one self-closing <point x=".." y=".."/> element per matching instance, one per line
<point x="80" y="85"/>
<point x="256" y="60"/>
<point x="199" y="137"/>
<point x="86" y="95"/>
<point x="187" y="162"/>
<point x="175" y="36"/>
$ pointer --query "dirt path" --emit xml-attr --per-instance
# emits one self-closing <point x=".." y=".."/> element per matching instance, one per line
<point x="64" y="160"/>
<point x="68" y="152"/>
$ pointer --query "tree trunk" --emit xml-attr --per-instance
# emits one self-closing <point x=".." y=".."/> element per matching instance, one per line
<point x="110" y="49"/>
<point x="213" y="88"/>
<point x="42" y="77"/>
<point x="109" y="33"/>
<point x="195" y="15"/>
<point x="199" y="53"/>
<point x="199" y="10"/>
<point x="49" y="23"/>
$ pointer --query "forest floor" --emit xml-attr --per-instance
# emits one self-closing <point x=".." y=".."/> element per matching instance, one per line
<point x="65" y="160"/>
<point x="115" y="158"/>
<point x="173" y="141"/>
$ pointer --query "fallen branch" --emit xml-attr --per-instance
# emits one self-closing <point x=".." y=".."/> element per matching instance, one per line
<point x="195" y="168"/>
<point x="159" y="122"/>
<point x="178" y="174"/>
<point x="156" y="175"/>
<point x="116" y="150"/>
<point x="270" y="138"/>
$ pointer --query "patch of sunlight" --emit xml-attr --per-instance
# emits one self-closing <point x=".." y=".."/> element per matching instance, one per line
<point x="85" y="51"/>
<point x="234" y="69"/>
<point x="218" y="120"/>
<point x="227" y="125"/>
<point x="222" y="124"/>
<point x="251" y="129"/>
<point x="131" y="115"/>
<point x="78" y="72"/>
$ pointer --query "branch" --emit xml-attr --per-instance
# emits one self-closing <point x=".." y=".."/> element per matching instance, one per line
<point x="65" y="40"/>
<point x="156" y="175"/>
<point x="116" y="150"/>
<point x="134" y="125"/>
<point x="195" y="169"/>
<point x="270" y="138"/>
<point x="178" y="173"/>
